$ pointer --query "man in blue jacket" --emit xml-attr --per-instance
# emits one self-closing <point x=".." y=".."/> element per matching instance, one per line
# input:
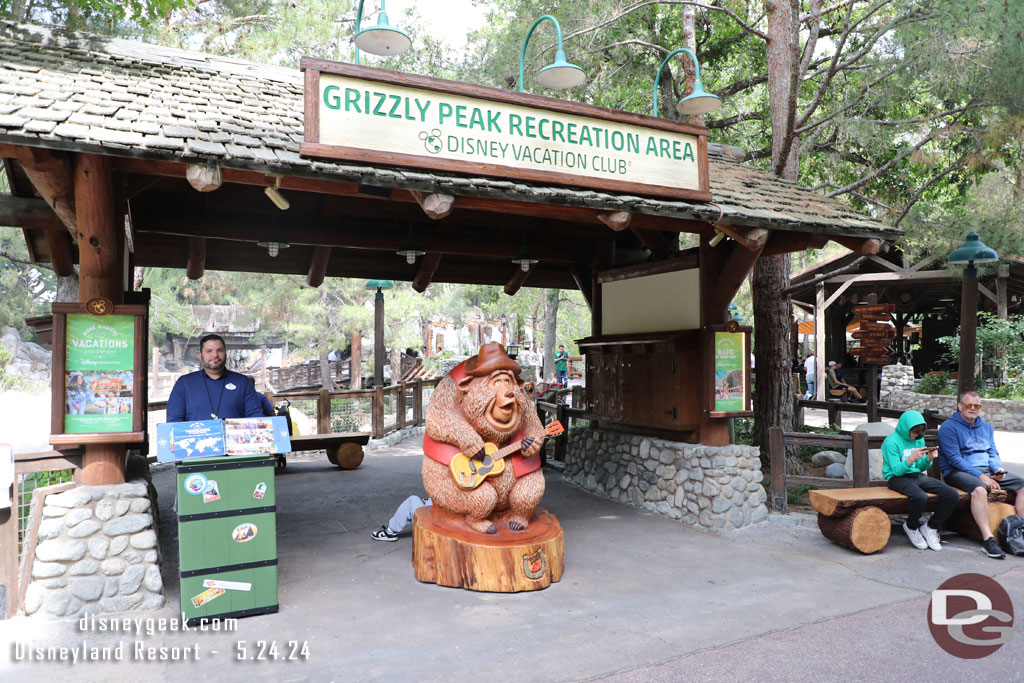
<point x="214" y="392"/>
<point x="969" y="461"/>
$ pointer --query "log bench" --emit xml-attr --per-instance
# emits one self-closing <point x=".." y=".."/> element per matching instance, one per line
<point x="344" y="449"/>
<point x="858" y="518"/>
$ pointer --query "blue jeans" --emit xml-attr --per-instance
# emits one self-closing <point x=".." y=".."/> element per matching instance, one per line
<point x="563" y="377"/>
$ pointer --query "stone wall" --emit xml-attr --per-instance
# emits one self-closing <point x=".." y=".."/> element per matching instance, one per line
<point x="97" y="552"/>
<point x="714" y="488"/>
<point x="897" y="392"/>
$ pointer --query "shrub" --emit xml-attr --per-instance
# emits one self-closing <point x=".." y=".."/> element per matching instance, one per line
<point x="936" y="383"/>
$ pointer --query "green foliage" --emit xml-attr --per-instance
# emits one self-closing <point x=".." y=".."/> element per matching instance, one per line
<point x="805" y="453"/>
<point x="1000" y="347"/>
<point x="110" y="17"/>
<point x="797" y="495"/>
<point x="936" y="383"/>
<point x="743" y="431"/>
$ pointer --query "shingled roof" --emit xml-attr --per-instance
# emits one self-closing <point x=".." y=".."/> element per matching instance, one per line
<point x="87" y="93"/>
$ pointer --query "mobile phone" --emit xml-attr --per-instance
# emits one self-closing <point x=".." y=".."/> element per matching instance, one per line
<point x="998" y="474"/>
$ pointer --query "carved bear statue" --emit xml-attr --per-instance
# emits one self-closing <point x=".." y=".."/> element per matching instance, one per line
<point x="483" y="401"/>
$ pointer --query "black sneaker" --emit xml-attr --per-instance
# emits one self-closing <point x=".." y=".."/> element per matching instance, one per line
<point x="992" y="549"/>
<point x="385" y="534"/>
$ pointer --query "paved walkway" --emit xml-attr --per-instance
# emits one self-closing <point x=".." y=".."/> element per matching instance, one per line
<point x="642" y="598"/>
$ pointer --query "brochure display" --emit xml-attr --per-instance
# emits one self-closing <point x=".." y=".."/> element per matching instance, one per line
<point x="227" y="537"/>
<point x="178" y="441"/>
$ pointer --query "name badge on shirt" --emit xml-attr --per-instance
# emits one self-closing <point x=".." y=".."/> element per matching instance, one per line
<point x="229" y="386"/>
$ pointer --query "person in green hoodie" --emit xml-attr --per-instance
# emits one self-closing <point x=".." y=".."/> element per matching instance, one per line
<point x="904" y="461"/>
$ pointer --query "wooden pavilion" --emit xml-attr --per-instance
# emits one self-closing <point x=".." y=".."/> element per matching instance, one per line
<point x="926" y="294"/>
<point x="123" y="154"/>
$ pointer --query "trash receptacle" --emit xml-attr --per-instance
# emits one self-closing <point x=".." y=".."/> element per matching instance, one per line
<point x="227" y="537"/>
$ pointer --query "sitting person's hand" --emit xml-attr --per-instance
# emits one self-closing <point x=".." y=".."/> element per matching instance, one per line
<point x="990" y="483"/>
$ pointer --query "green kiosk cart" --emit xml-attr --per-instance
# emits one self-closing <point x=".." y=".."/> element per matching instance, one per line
<point x="227" y="537"/>
<point x="227" y="526"/>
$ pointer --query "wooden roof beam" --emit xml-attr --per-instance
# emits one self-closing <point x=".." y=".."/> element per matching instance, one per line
<point x="616" y="220"/>
<point x="435" y="205"/>
<point x="425" y="273"/>
<point x="51" y="175"/>
<point x="583" y="276"/>
<point x="655" y="241"/>
<point x="753" y="239"/>
<point x="865" y="247"/>
<point x="737" y="266"/>
<point x="515" y="282"/>
<point x="318" y="266"/>
<point x="195" y="261"/>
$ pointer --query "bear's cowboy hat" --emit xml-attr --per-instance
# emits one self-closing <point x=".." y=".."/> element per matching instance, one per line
<point x="490" y="358"/>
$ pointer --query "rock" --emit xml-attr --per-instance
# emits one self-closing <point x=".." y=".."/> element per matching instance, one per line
<point x="50" y="528"/>
<point x="98" y="547"/>
<point x="77" y="516"/>
<point x="56" y="602"/>
<point x="60" y="549"/>
<point x="129" y="524"/>
<point x="118" y="544"/>
<point x="87" y="587"/>
<point x="114" y="566"/>
<point x="874" y="464"/>
<point x="153" y="581"/>
<point x="86" y="528"/>
<point x="826" y="458"/>
<point x="86" y="567"/>
<point x="131" y="579"/>
<point x="47" y="570"/>
<point x="140" y="505"/>
<point x="105" y="509"/>
<point x="153" y="601"/>
<point x="121" y="507"/>
<point x="882" y="429"/>
<point x="121" y="603"/>
<point x="759" y="514"/>
<point x="143" y="540"/>
<point x="110" y="587"/>
<point x="720" y="505"/>
<point x="835" y="471"/>
<point x="69" y="499"/>
<point x="34" y="598"/>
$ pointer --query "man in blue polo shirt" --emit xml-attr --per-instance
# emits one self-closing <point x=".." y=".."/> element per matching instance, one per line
<point x="214" y="392"/>
<point x="969" y="461"/>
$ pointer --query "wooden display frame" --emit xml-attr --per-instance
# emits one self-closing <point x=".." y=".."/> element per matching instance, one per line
<point x="709" y="365"/>
<point x="58" y="437"/>
<point x="312" y="146"/>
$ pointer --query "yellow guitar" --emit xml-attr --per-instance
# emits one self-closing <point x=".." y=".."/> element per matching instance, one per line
<point x="470" y="472"/>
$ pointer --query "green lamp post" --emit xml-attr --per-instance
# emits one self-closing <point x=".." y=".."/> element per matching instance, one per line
<point x="382" y="39"/>
<point x="378" y="329"/>
<point x="697" y="102"/>
<point x="973" y="251"/>
<point x="558" y="74"/>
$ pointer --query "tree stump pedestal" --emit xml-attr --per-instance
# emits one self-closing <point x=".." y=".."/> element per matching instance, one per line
<point x="963" y="522"/>
<point x="447" y="552"/>
<point x="347" y="456"/>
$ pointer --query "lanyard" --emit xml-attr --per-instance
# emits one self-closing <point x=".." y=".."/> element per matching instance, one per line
<point x="215" y="411"/>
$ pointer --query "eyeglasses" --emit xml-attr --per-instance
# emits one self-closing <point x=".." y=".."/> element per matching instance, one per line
<point x="972" y="406"/>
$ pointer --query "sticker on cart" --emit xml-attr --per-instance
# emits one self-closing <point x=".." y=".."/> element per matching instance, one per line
<point x="211" y="492"/>
<point x="195" y="483"/>
<point x="227" y="585"/>
<point x="261" y="490"/>
<point x="244" y="532"/>
<point x="205" y="597"/>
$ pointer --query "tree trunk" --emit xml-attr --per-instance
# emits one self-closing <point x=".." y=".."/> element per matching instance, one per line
<point x="355" y="368"/>
<point x="773" y="395"/>
<point x="67" y="288"/>
<point x="550" y="333"/>
<point x="326" y="376"/>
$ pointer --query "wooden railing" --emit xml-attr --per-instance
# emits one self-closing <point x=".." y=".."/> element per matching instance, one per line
<point x="779" y="441"/>
<point x="836" y="409"/>
<point x="25" y="514"/>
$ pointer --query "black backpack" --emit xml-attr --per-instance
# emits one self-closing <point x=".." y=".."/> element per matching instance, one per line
<point x="1011" y="535"/>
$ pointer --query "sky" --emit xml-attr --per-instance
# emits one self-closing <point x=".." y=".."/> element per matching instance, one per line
<point x="450" y="20"/>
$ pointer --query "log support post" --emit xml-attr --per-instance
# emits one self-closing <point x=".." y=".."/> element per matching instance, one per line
<point x="100" y="275"/>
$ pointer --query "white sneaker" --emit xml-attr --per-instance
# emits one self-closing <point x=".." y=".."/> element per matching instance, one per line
<point x="931" y="537"/>
<point x="915" y="537"/>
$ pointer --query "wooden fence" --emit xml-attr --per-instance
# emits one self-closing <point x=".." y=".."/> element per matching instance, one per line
<point x="19" y="524"/>
<point x="836" y="409"/>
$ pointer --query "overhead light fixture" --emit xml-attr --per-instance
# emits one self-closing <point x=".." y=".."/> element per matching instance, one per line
<point x="558" y="74"/>
<point x="274" y="193"/>
<point x="411" y="250"/>
<point x="697" y="102"/>
<point x="524" y="260"/>
<point x="273" y="243"/>
<point x="381" y="39"/>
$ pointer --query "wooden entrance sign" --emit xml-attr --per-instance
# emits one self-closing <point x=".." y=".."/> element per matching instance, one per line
<point x="446" y="552"/>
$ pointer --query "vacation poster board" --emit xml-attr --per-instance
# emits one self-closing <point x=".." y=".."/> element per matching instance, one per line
<point x="256" y="435"/>
<point x="99" y="374"/>
<point x="729" y="364"/>
<point x="184" y="440"/>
